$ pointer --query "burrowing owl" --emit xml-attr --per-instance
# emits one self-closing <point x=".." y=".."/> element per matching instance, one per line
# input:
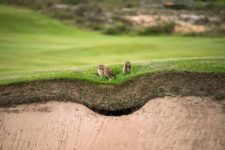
<point x="100" y="70"/>
<point x="108" y="73"/>
<point x="126" y="67"/>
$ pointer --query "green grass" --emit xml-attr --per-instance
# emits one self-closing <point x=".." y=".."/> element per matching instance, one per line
<point x="33" y="47"/>
<point x="88" y="73"/>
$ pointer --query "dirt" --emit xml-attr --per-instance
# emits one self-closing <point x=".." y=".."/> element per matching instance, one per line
<point x="142" y="20"/>
<point x="184" y="22"/>
<point x="180" y="26"/>
<point x="116" y="99"/>
<point x="184" y="123"/>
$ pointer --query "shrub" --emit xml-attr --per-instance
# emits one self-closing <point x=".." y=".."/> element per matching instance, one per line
<point x="214" y="32"/>
<point x="71" y="1"/>
<point x="166" y="28"/>
<point x="116" y="29"/>
<point x="35" y="4"/>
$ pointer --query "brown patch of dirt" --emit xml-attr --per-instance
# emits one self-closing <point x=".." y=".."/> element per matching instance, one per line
<point x="184" y="23"/>
<point x="142" y="20"/>
<point x="183" y="123"/>
<point x="116" y="99"/>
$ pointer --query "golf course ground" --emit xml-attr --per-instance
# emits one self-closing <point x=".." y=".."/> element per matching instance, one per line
<point x="51" y="96"/>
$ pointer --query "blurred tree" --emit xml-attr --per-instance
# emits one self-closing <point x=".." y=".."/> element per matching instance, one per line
<point x="159" y="2"/>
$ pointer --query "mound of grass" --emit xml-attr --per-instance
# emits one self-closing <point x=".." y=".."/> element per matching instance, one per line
<point x="89" y="73"/>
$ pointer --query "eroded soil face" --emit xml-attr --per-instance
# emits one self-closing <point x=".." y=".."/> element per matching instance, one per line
<point x="163" y="123"/>
<point x="116" y="99"/>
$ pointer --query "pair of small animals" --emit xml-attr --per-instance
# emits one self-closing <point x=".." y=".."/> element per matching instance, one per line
<point x="107" y="71"/>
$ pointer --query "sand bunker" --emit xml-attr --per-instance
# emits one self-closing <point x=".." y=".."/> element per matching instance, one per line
<point x="163" y="123"/>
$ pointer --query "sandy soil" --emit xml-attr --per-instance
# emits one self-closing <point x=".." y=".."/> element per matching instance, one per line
<point x="184" y="123"/>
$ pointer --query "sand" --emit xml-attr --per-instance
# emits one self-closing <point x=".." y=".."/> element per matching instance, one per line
<point x="180" y="123"/>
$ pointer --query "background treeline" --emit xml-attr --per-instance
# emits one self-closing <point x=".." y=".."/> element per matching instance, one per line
<point x="118" y="3"/>
<point x="46" y="3"/>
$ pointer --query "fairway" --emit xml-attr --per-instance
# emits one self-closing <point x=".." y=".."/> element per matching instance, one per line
<point x="30" y="41"/>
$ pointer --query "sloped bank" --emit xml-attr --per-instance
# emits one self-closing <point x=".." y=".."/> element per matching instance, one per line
<point x="116" y="99"/>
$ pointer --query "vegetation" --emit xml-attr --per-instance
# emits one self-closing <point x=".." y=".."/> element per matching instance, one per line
<point x="116" y="29"/>
<point x="165" y="28"/>
<point x="35" y="47"/>
<point x="209" y="4"/>
<point x="124" y="28"/>
<point x="37" y="4"/>
<point x="108" y="16"/>
<point x="88" y="73"/>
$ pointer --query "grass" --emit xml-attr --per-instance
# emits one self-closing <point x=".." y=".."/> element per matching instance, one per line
<point x="35" y="47"/>
<point x="88" y="73"/>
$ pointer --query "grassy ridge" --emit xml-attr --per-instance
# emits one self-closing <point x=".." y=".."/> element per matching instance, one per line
<point x="88" y="73"/>
<point x="31" y="43"/>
